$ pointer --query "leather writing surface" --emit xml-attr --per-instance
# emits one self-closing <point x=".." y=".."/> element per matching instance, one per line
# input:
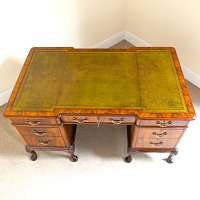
<point x="141" y="80"/>
<point x="41" y="83"/>
<point x="159" y="85"/>
<point x="100" y="80"/>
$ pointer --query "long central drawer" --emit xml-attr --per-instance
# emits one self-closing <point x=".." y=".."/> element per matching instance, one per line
<point x="112" y="119"/>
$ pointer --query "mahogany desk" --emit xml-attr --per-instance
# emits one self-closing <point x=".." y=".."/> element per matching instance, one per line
<point x="142" y="88"/>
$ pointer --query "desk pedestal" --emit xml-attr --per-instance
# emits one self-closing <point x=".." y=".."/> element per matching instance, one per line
<point x="153" y="139"/>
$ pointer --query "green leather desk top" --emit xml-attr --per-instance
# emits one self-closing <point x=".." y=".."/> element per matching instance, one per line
<point x="135" y="80"/>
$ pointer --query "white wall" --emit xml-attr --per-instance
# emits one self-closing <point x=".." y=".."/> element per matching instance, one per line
<point x="168" y="23"/>
<point x="77" y="23"/>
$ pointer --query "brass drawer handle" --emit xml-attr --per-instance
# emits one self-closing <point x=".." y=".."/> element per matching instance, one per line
<point x="116" y="121"/>
<point x="34" y="122"/>
<point x="163" y="124"/>
<point x="44" y="142"/>
<point x="159" y="135"/>
<point x="80" y="121"/>
<point x="156" y="143"/>
<point x="39" y="133"/>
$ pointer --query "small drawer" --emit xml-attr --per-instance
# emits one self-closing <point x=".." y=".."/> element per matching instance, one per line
<point x="156" y="143"/>
<point x="34" y="121"/>
<point x="39" y="131"/>
<point x="161" y="123"/>
<point x="149" y="132"/>
<point x="44" y="141"/>
<point x="117" y="119"/>
<point x="79" y="119"/>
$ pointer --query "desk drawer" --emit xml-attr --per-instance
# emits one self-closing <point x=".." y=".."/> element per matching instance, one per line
<point x="39" y="131"/>
<point x="156" y="143"/>
<point x="117" y="119"/>
<point x="34" y="121"/>
<point x="44" y="141"/>
<point x="149" y="132"/>
<point x="78" y="119"/>
<point x="161" y="123"/>
<point x="98" y="119"/>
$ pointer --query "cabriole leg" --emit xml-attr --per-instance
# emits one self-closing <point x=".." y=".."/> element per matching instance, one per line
<point x="33" y="153"/>
<point x="74" y="158"/>
<point x="170" y="157"/>
<point x="131" y="151"/>
<point x="128" y="159"/>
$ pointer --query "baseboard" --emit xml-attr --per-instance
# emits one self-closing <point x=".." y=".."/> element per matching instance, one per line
<point x="4" y="96"/>
<point x="110" y="41"/>
<point x="191" y="76"/>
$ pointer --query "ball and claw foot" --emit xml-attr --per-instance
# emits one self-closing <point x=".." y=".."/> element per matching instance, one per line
<point x="170" y="160"/>
<point x="128" y="159"/>
<point x="74" y="158"/>
<point x="33" y="155"/>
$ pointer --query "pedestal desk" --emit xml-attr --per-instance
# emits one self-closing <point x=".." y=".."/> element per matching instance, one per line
<point x="142" y="88"/>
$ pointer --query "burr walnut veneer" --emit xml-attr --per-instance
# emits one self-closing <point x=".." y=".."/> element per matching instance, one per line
<point x="142" y="88"/>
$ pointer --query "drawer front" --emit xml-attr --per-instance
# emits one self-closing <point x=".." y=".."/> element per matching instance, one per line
<point x="44" y="141"/>
<point x="161" y="123"/>
<point x="77" y="119"/>
<point x="156" y="143"/>
<point x="98" y="119"/>
<point x="159" y="132"/>
<point x="34" y="121"/>
<point x="39" y="131"/>
<point x="117" y="119"/>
